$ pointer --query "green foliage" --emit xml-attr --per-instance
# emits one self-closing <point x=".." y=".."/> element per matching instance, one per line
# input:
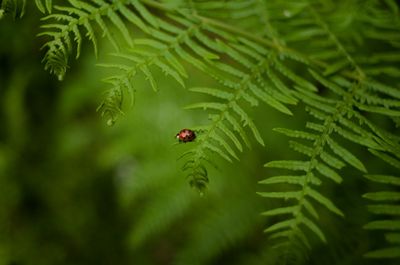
<point x="338" y="62"/>
<point x="385" y="203"/>
<point x="250" y="70"/>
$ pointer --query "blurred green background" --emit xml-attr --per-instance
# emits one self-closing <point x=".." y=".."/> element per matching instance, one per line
<point x="75" y="191"/>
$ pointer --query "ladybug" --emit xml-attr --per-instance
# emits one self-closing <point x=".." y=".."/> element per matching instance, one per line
<point x="186" y="135"/>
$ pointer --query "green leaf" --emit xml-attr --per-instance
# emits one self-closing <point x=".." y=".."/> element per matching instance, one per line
<point x="168" y="70"/>
<point x="383" y="196"/>
<point x="132" y="17"/>
<point x="379" y="87"/>
<point x="345" y="155"/>
<point x="328" y="172"/>
<point x="146" y="15"/>
<point x="331" y="160"/>
<point x="384" y="209"/>
<point x="230" y="135"/>
<point x="310" y="208"/>
<point x="390" y="252"/>
<point x="246" y="50"/>
<point x="386" y="70"/>
<point x="256" y="47"/>
<point x="207" y="105"/>
<point x="269" y="99"/>
<point x="281" y="86"/>
<point x="230" y="70"/>
<point x="236" y="126"/>
<point x="298" y="180"/>
<point x="199" y="50"/>
<point x="302" y="237"/>
<point x="90" y="34"/>
<point x="279" y="211"/>
<point x="235" y="55"/>
<point x="190" y="59"/>
<point x="173" y="61"/>
<point x="149" y="76"/>
<point x="393" y="238"/>
<point x="217" y="150"/>
<point x="151" y="43"/>
<point x="289" y="164"/>
<point x="308" y="151"/>
<point x="207" y="41"/>
<point x="384" y="179"/>
<point x="247" y="121"/>
<point x="379" y="110"/>
<point x="296" y="134"/>
<point x="313" y="227"/>
<point x="285" y="234"/>
<point x="40" y="6"/>
<point x="281" y="195"/>
<point x="279" y="225"/>
<point x="324" y="201"/>
<point x="365" y="139"/>
<point x="316" y="101"/>
<point x="384" y="224"/>
<point x="106" y="32"/>
<point x="224" y="144"/>
<point x="330" y="85"/>
<point x="304" y="34"/>
<point x="248" y="97"/>
<point x="337" y="66"/>
<point x="295" y="78"/>
<point x="49" y="5"/>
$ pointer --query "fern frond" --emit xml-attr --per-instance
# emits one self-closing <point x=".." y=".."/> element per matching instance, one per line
<point x="335" y="116"/>
<point x="70" y="21"/>
<point x="386" y="204"/>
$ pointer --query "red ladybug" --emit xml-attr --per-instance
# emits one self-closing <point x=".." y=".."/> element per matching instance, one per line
<point x="186" y="135"/>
